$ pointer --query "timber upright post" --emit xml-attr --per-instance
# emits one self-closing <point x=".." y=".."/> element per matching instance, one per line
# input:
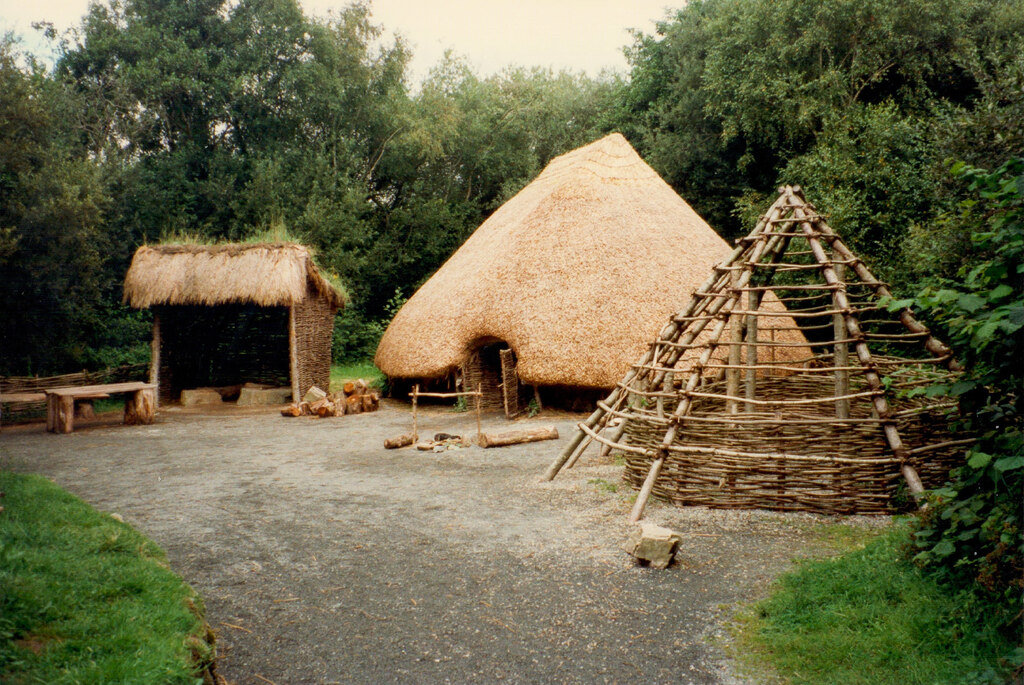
<point x="415" y="396"/>
<point x="479" y="394"/>
<point x="154" y="364"/>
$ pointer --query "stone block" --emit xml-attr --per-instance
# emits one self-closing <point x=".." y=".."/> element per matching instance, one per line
<point x="250" y="397"/>
<point x="198" y="396"/>
<point x="653" y="544"/>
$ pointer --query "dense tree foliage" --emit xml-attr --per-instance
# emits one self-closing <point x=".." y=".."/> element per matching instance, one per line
<point x="859" y="101"/>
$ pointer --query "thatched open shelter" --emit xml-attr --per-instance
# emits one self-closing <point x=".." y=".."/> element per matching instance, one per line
<point x="597" y="248"/>
<point x="837" y="434"/>
<point x="233" y="313"/>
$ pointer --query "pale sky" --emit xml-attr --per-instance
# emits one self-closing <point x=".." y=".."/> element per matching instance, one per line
<point x="580" y="35"/>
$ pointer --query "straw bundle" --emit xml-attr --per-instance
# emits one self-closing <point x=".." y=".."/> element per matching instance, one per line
<point x="268" y="275"/>
<point x="597" y="248"/>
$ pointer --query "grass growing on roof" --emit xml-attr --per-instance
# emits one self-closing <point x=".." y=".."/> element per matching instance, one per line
<point x="85" y="598"/>
<point x="350" y="371"/>
<point x="869" y="616"/>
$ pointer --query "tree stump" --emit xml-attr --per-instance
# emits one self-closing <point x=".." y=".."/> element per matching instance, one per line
<point x="139" y="407"/>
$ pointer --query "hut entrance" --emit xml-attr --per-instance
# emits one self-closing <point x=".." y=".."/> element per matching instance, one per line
<point x="221" y="346"/>
<point x="492" y="368"/>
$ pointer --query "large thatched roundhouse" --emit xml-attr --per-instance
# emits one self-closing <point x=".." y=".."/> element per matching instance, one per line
<point x="575" y="274"/>
<point x="234" y="313"/>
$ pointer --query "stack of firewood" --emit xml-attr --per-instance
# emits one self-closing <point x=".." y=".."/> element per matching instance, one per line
<point x="355" y="398"/>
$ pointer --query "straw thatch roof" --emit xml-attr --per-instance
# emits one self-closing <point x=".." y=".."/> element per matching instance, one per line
<point x="577" y="273"/>
<point x="268" y="274"/>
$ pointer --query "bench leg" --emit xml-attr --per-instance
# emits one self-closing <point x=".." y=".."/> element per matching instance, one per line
<point x="65" y="414"/>
<point x="139" y="407"/>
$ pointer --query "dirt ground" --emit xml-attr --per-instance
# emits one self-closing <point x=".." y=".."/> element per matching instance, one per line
<point x="324" y="558"/>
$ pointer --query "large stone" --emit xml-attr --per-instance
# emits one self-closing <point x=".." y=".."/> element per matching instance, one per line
<point x="653" y="544"/>
<point x="253" y="396"/>
<point x="198" y="396"/>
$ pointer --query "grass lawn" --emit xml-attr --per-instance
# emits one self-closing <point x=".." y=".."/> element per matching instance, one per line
<point x="869" y="617"/>
<point x="340" y="373"/>
<point x="85" y="598"/>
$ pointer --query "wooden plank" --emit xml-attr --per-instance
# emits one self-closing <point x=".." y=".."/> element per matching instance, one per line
<point x="109" y="389"/>
<point x="23" y="397"/>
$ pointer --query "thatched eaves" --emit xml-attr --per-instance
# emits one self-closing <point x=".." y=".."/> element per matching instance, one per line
<point x="267" y="274"/>
<point x="577" y="273"/>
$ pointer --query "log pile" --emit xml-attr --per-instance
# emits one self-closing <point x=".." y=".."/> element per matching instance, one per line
<point x="355" y="397"/>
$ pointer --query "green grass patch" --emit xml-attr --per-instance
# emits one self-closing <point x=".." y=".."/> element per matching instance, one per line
<point x="869" y="617"/>
<point x="602" y="485"/>
<point x="342" y="373"/>
<point x="84" y="598"/>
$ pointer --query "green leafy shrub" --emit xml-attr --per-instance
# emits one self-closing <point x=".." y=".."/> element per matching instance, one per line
<point x="971" y="535"/>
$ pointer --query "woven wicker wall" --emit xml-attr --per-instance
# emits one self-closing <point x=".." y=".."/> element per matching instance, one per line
<point x="838" y="466"/>
<point x="314" y="327"/>
<point x="483" y="368"/>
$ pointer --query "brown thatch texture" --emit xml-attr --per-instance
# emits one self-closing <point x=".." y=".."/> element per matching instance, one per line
<point x="577" y="273"/>
<point x="270" y="274"/>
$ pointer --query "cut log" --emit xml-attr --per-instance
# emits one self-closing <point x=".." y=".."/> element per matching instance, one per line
<point x="518" y="436"/>
<point x="316" y="405"/>
<point x="400" y="441"/>
<point x="360" y="387"/>
<point x="354" y="405"/>
<point x="304" y="408"/>
<point x="314" y="395"/>
<point x="291" y="410"/>
<point x="324" y="410"/>
<point x="348" y="388"/>
<point x="370" y="401"/>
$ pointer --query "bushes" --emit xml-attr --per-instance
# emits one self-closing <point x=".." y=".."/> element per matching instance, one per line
<point x="971" y="536"/>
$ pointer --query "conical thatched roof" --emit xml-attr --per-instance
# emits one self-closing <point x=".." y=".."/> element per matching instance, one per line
<point x="268" y="274"/>
<point x="576" y="273"/>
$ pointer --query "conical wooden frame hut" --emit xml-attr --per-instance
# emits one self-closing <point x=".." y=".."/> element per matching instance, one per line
<point x="705" y="419"/>
<point x="598" y="246"/>
<point x="227" y="314"/>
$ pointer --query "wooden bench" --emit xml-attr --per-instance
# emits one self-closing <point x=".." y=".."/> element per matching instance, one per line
<point x="139" y="403"/>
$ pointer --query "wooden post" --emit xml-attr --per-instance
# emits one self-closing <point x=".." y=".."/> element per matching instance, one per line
<point x="645" y="492"/>
<point x="66" y="414"/>
<point x="841" y="356"/>
<point x="479" y="396"/>
<point x="753" y="302"/>
<point x="293" y="355"/>
<point x="139" y="406"/>
<point x="154" y="363"/>
<point x="415" y="396"/>
<point x="732" y="374"/>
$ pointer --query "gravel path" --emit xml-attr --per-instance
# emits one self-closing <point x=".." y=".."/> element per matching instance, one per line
<point x="324" y="558"/>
